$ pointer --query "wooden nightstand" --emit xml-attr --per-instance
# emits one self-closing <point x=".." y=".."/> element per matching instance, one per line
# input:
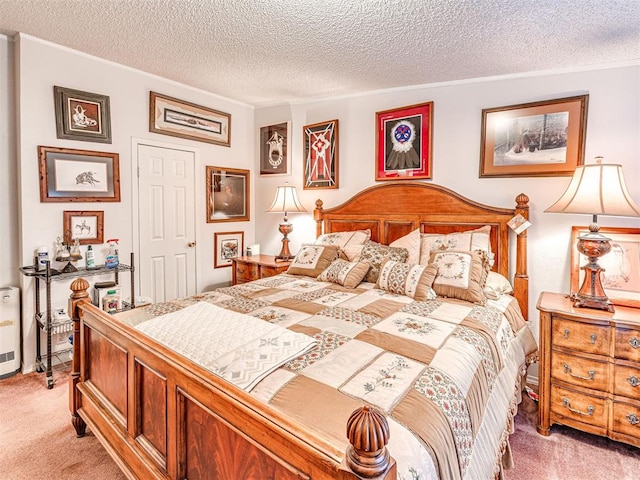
<point x="248" y="268"/>
<point x="589" y="369"/>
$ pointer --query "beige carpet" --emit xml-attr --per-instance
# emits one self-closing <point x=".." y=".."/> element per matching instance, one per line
<point x="38" y="442"/>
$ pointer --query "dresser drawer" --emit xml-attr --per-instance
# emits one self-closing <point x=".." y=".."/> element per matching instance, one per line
<point x="582" y="337"/>
<point x="626" y="419"/>
<point x="580" y="371"/>
<point x="626" y="381"/>
<point x="271" y="271"/>
<point x="628" y="344"/>
<point x="245" y="272"/>
<point x="579" y="407"/>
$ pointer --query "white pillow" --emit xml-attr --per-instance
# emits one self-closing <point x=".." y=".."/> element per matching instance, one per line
<point x="343" y="239"/>
<point x="411" y="241"/>
<point x="497" y="285"/>
<point x="468" y="241"/>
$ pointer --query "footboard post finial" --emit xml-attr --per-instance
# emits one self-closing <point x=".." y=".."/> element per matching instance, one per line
<point x="368" y="434"/>
<point x="317" y="216"/>
<point x="79" y="287"/>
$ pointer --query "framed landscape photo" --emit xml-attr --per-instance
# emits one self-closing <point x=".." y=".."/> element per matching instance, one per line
<point x="87" y="227"/>
<point x="82" y="116"/>
<point x="534" y="139"/>
<point x="404" y="142"/>
<point x="320" y="142"/>
<point x="227" y="195"/>
<point x="170" y="116"/>
<point x="69" y="175"/>
<point x="621" y="276"/>
<point x="275" y="158"/>
<point x="227" y="246"/>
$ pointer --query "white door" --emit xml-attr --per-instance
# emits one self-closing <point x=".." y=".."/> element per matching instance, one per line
<point x="166" y="215"/>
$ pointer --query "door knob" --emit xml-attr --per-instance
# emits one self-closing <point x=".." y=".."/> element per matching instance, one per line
<point x="191" y="244"/>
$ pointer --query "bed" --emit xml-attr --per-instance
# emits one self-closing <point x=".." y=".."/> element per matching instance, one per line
<point x="399" y="382"/>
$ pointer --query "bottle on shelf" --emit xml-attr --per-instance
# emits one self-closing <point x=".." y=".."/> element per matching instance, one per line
<point x="91" y="260"/>
<point x="112" y="254"/>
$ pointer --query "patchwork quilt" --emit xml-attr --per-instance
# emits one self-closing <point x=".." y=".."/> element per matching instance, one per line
<point x="445" y="372"/>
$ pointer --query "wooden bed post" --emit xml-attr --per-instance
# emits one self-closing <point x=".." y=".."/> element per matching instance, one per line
<point x="521" y="278"/>
<point x="78" y="297"/>
<point x="317" y="216"/>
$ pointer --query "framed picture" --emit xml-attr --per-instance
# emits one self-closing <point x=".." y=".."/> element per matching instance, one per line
<point x="320" y="155"/>
<point x="82" y="115"/>
<point x="275" y="158"/>
<point x="87" y="227"/>
<point x="404" y="142"/>
<point x="227" y="245"/>
<point x="227" y="195"/>
<point x="621" y="276"/>
<point x="170" y="116"/>
<point x="534" y="139"/>
<point x="68" y="175"/>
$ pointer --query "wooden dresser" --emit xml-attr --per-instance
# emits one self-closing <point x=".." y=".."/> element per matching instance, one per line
<point x="249" y="268"/>
<point x="589" y="369"/>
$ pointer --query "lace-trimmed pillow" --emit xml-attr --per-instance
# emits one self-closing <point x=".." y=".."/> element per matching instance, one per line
<point x="461" y="275"/>
<point x="311" y="260"/>
<point x="408" y="279"/>
<point x="342" y="272"/>
<point x="375" y="254"/>
<point x="343" y="239"/>
<point x="411" y="241"/>
<point x="468" y="241"/>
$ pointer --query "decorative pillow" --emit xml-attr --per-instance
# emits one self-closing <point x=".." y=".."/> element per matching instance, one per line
<point x="375" y="254"/>
<point x="343" y="239"/>
<point x="469" y="241"/>
<point x="497" y="285"/>
<point x="352" y="252"/>
<point x="311" y="260"/>
<point x="461" y="275"/>
<point x="342" y="272"/>
<point x="411" y="241"/>
<point x="408" y="279"/>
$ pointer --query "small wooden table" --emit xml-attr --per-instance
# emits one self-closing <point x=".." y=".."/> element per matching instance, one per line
<point x="249" y="268"/>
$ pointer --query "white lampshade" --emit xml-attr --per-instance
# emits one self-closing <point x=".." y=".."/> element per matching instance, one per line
<point x="286" y="200"/>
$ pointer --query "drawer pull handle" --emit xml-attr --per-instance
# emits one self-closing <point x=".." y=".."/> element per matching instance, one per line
<point x="588" y="413"/>
<point x="633" y="419"/>
<point x="634" y="342"/>
<point x="567" y="369"/>
<point x="633" y="381"/>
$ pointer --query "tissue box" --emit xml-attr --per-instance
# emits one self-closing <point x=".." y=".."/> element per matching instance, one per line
<point x="253" y="250"/>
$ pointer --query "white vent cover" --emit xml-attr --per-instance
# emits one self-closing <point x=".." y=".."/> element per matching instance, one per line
<point x="9" y="331"/>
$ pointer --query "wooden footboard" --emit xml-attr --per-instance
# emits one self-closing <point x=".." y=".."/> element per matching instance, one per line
<point x="162" y="417"/>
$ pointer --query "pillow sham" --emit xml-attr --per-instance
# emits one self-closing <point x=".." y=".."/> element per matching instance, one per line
<point x="470" y="240"/>
<point x="345" y="273"/>
<point x="497" y="285"/>
<point x="461" y="274"/>
<point x="343" y="239"/>
<point x="352" y="252"/>
<point x="411" y="241"/>
<point x="375" y="254"/>
<point x="311" y="260"/>
<point x="408" y="279"/>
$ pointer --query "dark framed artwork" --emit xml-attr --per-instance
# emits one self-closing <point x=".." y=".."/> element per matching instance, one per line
<point x="404" y="142"/>
<point x="227" y="195"/>
<point x="69" y="175"/>
<point x="320" y="155"/>
<point x="534" y="139"/>
<point x="86" y="226"/>
<point x="82" y="115"/>
<point x="227" y="246"/>
<point x="621" y="275"/>
<point x="275" y="158"/>
<point x="177" y="118"/>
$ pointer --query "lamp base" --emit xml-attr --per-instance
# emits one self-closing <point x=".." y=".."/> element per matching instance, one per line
<point x="591" y="294"/>
<point x="285" y="254"/>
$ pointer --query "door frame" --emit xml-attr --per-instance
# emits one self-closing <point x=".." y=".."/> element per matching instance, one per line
<point x="135" y="195"/>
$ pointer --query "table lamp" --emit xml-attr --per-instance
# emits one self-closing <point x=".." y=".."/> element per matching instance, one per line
<point x="597" y="189"/>
<point x="286" y="200"/>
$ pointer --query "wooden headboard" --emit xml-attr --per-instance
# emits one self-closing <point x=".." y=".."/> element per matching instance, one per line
<point x="392" y="210"/>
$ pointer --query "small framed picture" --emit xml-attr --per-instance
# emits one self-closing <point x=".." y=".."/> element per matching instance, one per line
<point x="68" y="175"/>
<point x="87" y="227"/>
<point x="227" y="246"/>
<point x="320" y="155"/>
<point x="227" y="195"/>
<point x="275" y="158"/>
<point x="82" y="115"/>
<point x="404" y="142"/>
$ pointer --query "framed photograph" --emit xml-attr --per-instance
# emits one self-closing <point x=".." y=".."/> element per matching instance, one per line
<point x="170" y="116"/>
<point x="227" y="245"/>
<point x="68" y="175"/>
<point x="534" y="139"/>
<point x="87" y="227"/>
<point x="274" y="149"/>
<point x="320" y="155"/>
<point x="227" y="195"/>
<point x="621" y="276"/>
<point x="82" y="115"/>
<point x="404" y="142"/>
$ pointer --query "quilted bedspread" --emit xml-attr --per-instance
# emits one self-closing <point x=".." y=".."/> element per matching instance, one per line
<point x="445" y="372"/>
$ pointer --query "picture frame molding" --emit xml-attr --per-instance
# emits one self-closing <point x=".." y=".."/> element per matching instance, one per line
<point x="214" y="214"/>
<point x="68" y="230"/>
<point x="264" y="136"/>
<point x="219" y="237"/>
<point x="63" y="99"/>
<point x="307" y="132"/>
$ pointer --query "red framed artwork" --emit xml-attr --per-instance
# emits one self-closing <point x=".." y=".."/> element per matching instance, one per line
<point x="404" y="142"/>
<point x="320" y="155"/>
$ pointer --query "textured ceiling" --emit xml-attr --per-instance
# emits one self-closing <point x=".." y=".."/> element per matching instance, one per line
<point x="272" y="51"/>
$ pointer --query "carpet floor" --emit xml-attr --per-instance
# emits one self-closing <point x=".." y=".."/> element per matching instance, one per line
<point x="38" y="441"/>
